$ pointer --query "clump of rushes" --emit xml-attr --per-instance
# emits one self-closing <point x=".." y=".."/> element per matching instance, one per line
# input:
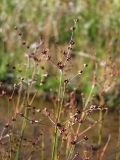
<point x="63" y="121"/>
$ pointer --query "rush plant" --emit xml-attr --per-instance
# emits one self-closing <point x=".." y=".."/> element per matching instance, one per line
<point x="70" y="109"/>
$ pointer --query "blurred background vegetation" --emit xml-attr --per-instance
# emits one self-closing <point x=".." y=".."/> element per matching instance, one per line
<point x="96" y="38"/>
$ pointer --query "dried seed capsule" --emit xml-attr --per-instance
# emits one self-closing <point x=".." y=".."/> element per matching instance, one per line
<point x="65" y="53"/>
<point x="22" y="79"/>
<point x="85" y="65"/>
<point x="15" y="28"/>
<point x="33" y="107"/>
<point x="59" y="125"/>
<point x="13" y="67"/>
<point x="76" y="20"/>
<point x="85" y="138"/>
<point x="60" y="65"/>
<point x="23" y="43"/>
<point x="25" y="139"/>
<point x="10" y="98"/>
<point x="62" y="130"/>
<point x="80" y="121"/>
<point x="70" y="48"/>
<point x="72" y="29"/>
<point x="7" y="125"/>
<point x="73" y="142"/>
<point x="33" y="143"/>
<point x="48" y="57"/>
<point x="78" y="111"/>
<point x="28" y="47"/>
<point x="66" y="81"/>
<point x="45" y="51"/>
<point x="20" y="34"/>
<point x="21" y="114"/>
<point x="32" y="121"/>
<point x="42" y="67"/>
<point x="80" y="72"/>
<point x="72" y="42"/>
<point x="13" y="119"/>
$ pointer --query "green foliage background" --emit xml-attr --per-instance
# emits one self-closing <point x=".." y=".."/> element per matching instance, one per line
<point x="98" y="30"/>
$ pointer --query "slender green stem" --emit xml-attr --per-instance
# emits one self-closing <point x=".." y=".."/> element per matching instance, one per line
<point x="19" y="95"/>
<point x="55" y="147"/>
<point x="85" y="106"/>
<point x="10" y="147"/>
<point x="100" y="127"/>
<point x="21" y="136"/>
<point x="118" y="144"/>
<point x="70" y="153"/>
<point x="43" y="145"/>
<point x="59" y="95"/>
<point x="89" y="96"/>
<point x="1" y="156"/>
